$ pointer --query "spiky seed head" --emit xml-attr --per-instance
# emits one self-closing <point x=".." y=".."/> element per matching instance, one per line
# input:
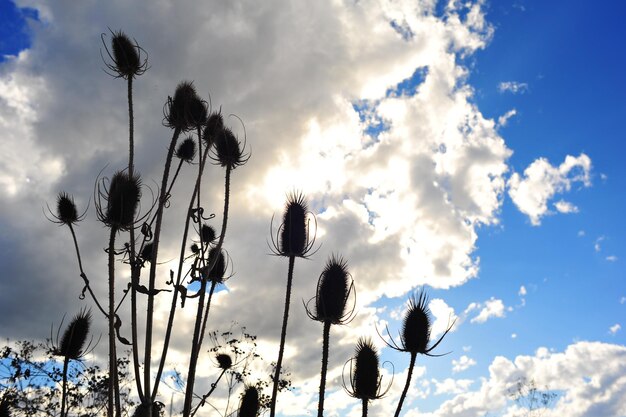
<point x="332" y="291"/>
<point x="66" y="209"/>
<point x="5" y="411"/>
<point x="228" y="152"/>
<point x="75" y="336"/>
<point x="293" y="239"/>
<point x="181" y="107"/>
<point x="224" y="361"/>
<point x="417" y="325"/>
<point x="249" y="402"/>
<point x="207" y="233"/>
<point x="365" y="374"/>
<point x="214" y="127"/>
<point x="123" y="198"/>
<point x="125" y="56"/>
<point x="143" y="409"/>
<point x="198" y="112"/>
<point x="147" y="253"/>
<point x="195" y="249"/>
<point x="186" y="150"/>
<point x="219" y="269"/>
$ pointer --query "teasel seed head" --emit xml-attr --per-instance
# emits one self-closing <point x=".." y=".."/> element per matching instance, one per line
<point x="293" y="237"/>
<point x="125" y="55"/>
<point x="365" y="376"/>
<point x="224" y="361"/>
<point x="417" y="327"/>
<point x="73" y="341"/>
<point x="183" y="110"/>
<point x="249" y="406"/>
<point x="195" y="249"/>
<point x="207" y="234"/>
<point x="122" y="200"/>
<point x="147" y="253"/>
<point x="5" y="410"/>
<point x="218" y="271"/>
<point x="227" y="150"/>
<point x="186" y="151"/>
<point x="333" y="290"/>
<point x="142" y="410"/>
<point x="213" y="128"/>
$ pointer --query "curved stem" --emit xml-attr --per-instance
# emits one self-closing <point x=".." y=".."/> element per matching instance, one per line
<point x="197" y="339"/>
<point x="208" y="394"/>
<point x="283" y="335"/>
<point x="113" y="381"/>
<point x="326" y="337"/>
<point x="155" y="249"/>
<point x="407" y="384"/>
<point x="181" y="259"/>
<point x="83" y="275"/>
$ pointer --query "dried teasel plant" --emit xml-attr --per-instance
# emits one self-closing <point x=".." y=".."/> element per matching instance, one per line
<point x="334" y="289"/>
<point x="125" y="55"/>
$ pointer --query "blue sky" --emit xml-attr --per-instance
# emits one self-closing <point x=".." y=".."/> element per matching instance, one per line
<point x="550" y="75"/>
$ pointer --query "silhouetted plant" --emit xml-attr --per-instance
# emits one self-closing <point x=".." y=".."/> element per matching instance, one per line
<point x="334" y="288"/>
<point x="415" y="337"/>
<point x="365" y="378"/>
<point x="249" y="402"/>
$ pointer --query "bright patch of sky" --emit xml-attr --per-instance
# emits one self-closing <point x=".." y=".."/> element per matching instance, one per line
<point x="443" y="144"/>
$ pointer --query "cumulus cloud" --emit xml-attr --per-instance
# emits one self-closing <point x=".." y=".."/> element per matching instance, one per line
<point x="563" y="206"/>
<point x="589" y="377"/>
<point x="513" y="87"/>
<point x="489" y="309"/>
<point x="542" y="181"/>
<point x="463" y="363"/>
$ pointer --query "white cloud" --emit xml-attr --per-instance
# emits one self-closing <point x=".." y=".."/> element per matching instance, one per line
<point x="611" y="258"/>
<point x="589" y="377"/>
<point x="514" y="87"/>
<point x="513" y="335"/>
<point x="522" y="291"/>
<point x="596" y="246"/>
<point x="463" y="363"/>
<point x="542" y="181"/>
<point x="504" y="119"/>
<point x="491" y="308"/>
<point x="452" y="386"/>
<point x="581" y="233"/>
<point x="615" y="328"/>
<point x="622" y="300"/>
<point x="563" y="206"/>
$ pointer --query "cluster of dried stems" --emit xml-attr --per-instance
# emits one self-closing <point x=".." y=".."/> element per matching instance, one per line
<point x="205" y="262"/>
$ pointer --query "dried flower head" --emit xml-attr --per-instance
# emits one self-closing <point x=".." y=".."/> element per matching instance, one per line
<point x="186" y="151"/>
<point x="126" y="56"/>
<point x="334" y="287"/>
<point x="365" y="379"/>
<point x="5" y="410"/>
<point x="249" y="406"/>
<point x="227" y="150"/>
<point x="224" y="361"/>
<point x="66" y="212"/>
<point x="142" y="410"/>
<point x="207" y="234"/>
<point x="147" y="253"/>
<point x="213" y="128"/>
<point x="416" y="328"/>
<point x="195" y="249"/>
<point x="218" y="272"/>
<point x="184" y="110"/>
<point x="293" y="237"/>
<point x="72" y="345"/>
<point x="122" y="197"/>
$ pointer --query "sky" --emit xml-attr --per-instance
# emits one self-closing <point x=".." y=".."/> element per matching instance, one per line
<point x="473" y="149"/>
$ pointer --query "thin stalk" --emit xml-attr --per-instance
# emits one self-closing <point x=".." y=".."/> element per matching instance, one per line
<point x="208" y="394"/>
<point x="364" y="407"/>
<point x="134" y="270"/>
<point x="197" y="339"/>
<point x="283" y="335"/>
<point x="406" y="385"/>
<point x="114" y="389"/>
<point x="155" y="248"/>
<point x="181" y="259"/>
<point x="83" y="275"/>
<point x="66" y="361"/>
<point x="325" y="341"/>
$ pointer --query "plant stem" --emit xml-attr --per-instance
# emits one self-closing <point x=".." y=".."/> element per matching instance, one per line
<point x="208" y="394"/>
<point x="325" y="340"/>
<point x="364" y="407"/>
<point x="155" y="248"/>
<point x="283" y="335"/>
<point x="64" y="388"/>
<point x="113" y="382"/>
<point x="408" y="382"/>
